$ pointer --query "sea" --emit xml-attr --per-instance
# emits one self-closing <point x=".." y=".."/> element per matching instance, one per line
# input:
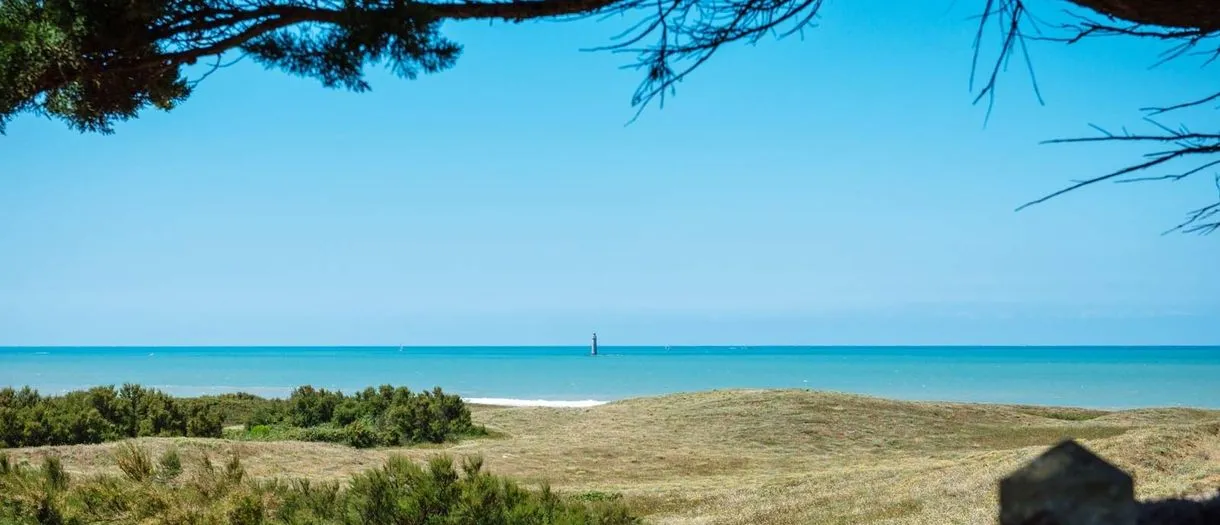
<point x="1097" y="377"/>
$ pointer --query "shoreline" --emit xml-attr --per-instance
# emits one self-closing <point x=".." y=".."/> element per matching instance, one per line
<point x="283" y="393"/>
<point x="543" y="403"/>
<point x="271" y="392"/>
<point x="1100" y="378"/>
<point x="275" y="392"/>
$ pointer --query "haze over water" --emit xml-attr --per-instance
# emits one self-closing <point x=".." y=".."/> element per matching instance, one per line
<point x="1103" y="377"/>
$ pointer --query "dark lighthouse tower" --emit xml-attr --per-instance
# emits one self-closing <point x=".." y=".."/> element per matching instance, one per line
<point x="593" y="349"/>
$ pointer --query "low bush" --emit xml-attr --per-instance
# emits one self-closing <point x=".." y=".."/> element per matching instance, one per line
<point x="98" y="414"/>
<point x="234" y="408"/>
<point x="261" y="432"/>
<point x="598" y="496"/>
<point x="360" y="434"/>
<point x="169" y="465"/>
<point x="399" y="492"/>
<point x="382" y="416"/>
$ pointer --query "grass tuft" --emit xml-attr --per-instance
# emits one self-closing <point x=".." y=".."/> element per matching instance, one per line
<point x="53" y="473"/>
<point x="134" y="461"/>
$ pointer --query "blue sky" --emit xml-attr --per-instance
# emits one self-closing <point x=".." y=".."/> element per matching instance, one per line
<point x="835" y="189"/>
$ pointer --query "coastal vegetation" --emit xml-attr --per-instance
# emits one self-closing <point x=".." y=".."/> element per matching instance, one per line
<point x="103" y="413"/>
<point x="742" y="457"/>
<point x="398" y="492"/>
<point x="382" y="416"/>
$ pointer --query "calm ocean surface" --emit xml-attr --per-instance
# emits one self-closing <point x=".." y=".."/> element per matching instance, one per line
<point x="1107" y="377"/>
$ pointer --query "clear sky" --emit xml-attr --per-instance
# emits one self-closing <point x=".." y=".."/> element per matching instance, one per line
<point x="839" y="189"/>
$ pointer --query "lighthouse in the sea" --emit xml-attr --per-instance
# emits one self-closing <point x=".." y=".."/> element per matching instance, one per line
<point x="593" y="349"/>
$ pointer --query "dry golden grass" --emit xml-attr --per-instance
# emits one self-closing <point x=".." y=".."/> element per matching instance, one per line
<point x="770" y="457"/>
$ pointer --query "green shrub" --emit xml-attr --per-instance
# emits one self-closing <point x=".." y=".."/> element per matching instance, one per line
<point x="236" y="408"/>
<point x="98" y="414"/>
<point x="247" y="510"/>
<point x="389" y="416"/>
<point x="348" y="411"/>
<point x="385" y="416"/>
<point x="260" y="432"/>
<point x="308" y="502"/>
<point x="324" y="434"/>
<point x="134" y="461"/>
<point x="169" y="465"/>
<point x="598" y="496"/>
<point x="53" y="473"/>
<point x="265" y="415"/>
<point x="203" y="421"/>
<point x="49" y="513"/>
<point x="359" y="434"/>
<point x="308" y="407"/>
<point x="234" y="472"/>
<point x="399" y="492"/>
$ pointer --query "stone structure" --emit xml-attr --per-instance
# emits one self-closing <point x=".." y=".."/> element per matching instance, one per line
<point x="1069" y="485"/>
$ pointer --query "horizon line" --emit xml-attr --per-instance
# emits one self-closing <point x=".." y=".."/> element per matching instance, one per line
<point x="718" y="345"/>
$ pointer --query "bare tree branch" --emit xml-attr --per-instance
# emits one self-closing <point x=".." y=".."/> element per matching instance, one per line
<point x="687" y="33"/>
<point x="1203" y="220"/>
<point x="1153" y="111"/>
<point x="1144" y="19"/>
<point x="1188" y="146"/>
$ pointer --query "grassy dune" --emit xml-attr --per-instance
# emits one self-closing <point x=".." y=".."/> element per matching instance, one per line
<point x="769" y="457"/>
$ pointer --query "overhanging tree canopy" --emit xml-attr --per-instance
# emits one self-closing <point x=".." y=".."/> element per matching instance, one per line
<point x="91" y="63"/>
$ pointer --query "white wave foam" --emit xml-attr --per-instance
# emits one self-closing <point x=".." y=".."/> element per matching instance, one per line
<point x="503" y="402"/>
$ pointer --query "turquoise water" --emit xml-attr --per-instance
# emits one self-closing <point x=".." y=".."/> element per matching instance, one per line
<point x="1104" y="377"/>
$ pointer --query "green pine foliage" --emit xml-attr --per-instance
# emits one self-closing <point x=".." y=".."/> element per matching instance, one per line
<point x="93" y="63"/>
<point x="399" y="492"/>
